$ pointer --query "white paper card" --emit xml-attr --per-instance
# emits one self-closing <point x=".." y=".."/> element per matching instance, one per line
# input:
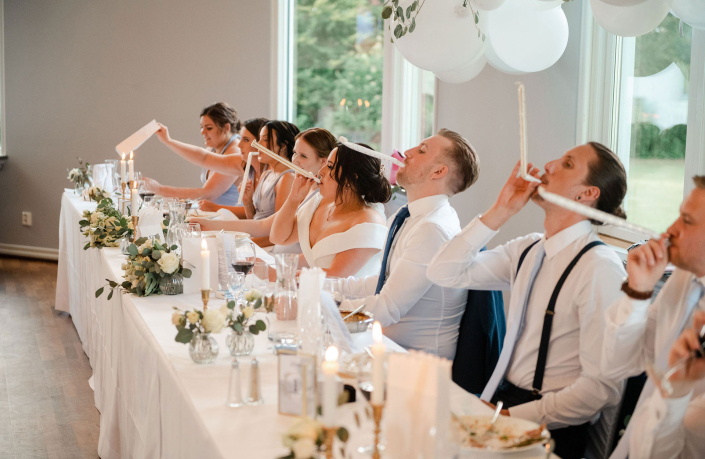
<point x="138" y="138"/>
<point x="150" y="223"/>
<point x="191" y="253"/>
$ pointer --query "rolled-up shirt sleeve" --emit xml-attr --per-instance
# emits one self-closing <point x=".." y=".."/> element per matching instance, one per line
<point x="460" y="264"/>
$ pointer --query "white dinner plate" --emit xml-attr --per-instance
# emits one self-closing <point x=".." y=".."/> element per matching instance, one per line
<point x="513" y="427"/>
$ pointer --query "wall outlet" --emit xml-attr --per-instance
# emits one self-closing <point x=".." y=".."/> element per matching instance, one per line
<point x="27" y="218"/>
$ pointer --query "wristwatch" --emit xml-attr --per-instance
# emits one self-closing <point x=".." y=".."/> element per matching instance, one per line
<point x="631" y="293"/>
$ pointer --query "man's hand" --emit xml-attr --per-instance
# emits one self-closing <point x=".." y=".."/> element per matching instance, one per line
<point x="685" y="345"/>
<point x="646" y="263"/>
<point x="512" y="198"/>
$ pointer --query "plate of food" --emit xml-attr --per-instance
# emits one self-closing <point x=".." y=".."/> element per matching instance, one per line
<point x="358" y="322"/>
<point x="507" y="434"/>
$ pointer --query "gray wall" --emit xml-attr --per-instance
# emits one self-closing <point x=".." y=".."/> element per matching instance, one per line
<point x="82" y="75"/>
<point x="485" y="111"/>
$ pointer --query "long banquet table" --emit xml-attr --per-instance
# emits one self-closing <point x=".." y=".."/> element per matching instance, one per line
<point x="153" y="400"/>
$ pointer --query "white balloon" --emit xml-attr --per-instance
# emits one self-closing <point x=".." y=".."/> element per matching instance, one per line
<point x="497" y="63"/>
<point x="464" y="73"/>
<point x="537" y="5"/>
<point x="525" y="40"/>
<point x="488" y="5"/>
<point x="442" y="40"/>
<point x="624" y="2"/>
<point x="629" y="21"/>
<point x="692" y="12"/>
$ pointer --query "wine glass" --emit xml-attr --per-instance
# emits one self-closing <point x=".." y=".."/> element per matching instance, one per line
<point x="235" y="283"/>
<point x="243" y="256"/>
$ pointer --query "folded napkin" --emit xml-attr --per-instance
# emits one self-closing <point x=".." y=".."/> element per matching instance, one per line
<point x="225" y="215"/>
<point x="417" y="411"/>
<point x="150" y="223"/>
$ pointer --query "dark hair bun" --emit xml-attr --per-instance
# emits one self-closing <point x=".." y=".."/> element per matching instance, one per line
<point x="362" y="173"/>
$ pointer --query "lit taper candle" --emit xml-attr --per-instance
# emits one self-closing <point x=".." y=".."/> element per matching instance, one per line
<point x="205" y="265"/>
<point x="330" y="386"/>
<point x="377" y="349"/>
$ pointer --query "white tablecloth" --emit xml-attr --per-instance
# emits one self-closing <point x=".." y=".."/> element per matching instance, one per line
<point x="154" y="401"/>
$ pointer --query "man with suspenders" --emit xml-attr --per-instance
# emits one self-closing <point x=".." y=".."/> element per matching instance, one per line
<point x="561" y="282"/>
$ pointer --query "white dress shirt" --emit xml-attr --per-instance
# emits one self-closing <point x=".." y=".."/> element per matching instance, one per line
<point x="574" y="391"/>
<point x="413" y="311"/>
<point x="636" y="332"/>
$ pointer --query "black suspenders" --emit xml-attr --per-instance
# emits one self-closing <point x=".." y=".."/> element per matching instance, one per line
<point x="550" y="311"/>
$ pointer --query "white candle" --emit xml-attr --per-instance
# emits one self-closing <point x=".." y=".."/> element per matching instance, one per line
<point x="131" y="165"/>
<point x="523" y="172"/>
<point x="135" y="202"/>
<point x="377" y="349"/>
<point x="123" y="174"/>
<point x="205" y="265"/>
<point x="330" y="386"/>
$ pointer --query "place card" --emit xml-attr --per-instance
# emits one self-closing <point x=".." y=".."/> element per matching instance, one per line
<point x="297" y="382"/>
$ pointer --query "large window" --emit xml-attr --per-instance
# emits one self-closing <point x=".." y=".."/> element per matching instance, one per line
<point x="338" y="70"/>
<point x="643" y="97"/>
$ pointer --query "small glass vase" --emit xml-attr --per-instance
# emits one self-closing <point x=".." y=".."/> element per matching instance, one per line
<point x="125" y="245"/>
<point x="172" y="285"/>
<point x="240" y="343"/>
<point x="203" y="348"/>
<point x="78" y="188"/>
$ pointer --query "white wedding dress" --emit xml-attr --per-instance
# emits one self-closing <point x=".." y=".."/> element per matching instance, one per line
<point x="360" y="236"/>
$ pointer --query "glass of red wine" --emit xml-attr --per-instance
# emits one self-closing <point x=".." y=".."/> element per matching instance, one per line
<point x="243" y="256"/>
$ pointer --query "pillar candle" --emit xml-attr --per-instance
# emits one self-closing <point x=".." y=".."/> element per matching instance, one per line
<point x="205" y="265"/>
<point x="131" y="166"/>
<point x="330" y="386"/>
<point x="377" y="349"/>
<point x="135" y="202"/>
<point x="123" y="174"/>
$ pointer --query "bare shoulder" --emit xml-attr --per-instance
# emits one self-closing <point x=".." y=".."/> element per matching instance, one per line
<point x="369" y="215"/>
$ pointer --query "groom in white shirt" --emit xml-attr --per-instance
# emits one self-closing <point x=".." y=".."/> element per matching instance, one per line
<point x="560" y="282"/>
<point x="413" y="311"/>
<point x="639" y="332"/>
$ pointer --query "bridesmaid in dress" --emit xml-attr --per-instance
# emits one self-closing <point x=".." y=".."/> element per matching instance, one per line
<point x="219" y="128"/>
<point x="342" y="229"/>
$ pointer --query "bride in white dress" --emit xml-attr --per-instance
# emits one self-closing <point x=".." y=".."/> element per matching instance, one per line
<point x="341" y="230"/>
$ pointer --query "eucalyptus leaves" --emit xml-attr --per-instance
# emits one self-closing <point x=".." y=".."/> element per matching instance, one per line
<point x="105" y="226"/>
<point x="406" y="19"/>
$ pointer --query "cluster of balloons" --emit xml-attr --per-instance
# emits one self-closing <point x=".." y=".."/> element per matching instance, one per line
<point x="519" y="36"/>
<point x="631" y="18"/>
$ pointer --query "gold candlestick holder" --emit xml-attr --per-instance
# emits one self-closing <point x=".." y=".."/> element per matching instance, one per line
<point x="328" y="443"/>
<point x="377" y="416"/>
<point x="135" y="222"/>
<point x="121" y="199"/>
<point x="205" y="296"/>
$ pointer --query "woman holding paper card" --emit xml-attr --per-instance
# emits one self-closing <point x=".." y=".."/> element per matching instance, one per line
<point x="219" y="128"/>
<point x="339" y="230"/>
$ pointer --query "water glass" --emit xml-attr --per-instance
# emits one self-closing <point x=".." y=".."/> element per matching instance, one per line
<point x="235" y="283"/>
<point x="260" y="278"/>
<point x="193" y="230"/>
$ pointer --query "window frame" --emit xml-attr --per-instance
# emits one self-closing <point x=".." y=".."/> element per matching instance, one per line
<point x="3" y="131"/>
<point x="600" y="86"/>
<point x="402" y="84"/>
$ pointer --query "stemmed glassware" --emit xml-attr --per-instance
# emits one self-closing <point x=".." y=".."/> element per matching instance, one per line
<point x="243" y="256"/>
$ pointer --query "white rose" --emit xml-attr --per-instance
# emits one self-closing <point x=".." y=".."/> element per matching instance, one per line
<point x="213" y="321"/>
<point x="252" y="295"/>
<point x="248" y="311"/>
<point x="96" y="217"/>
<point x="176" y="318"/>
<point x="169" y="262"/>
<point x="305" y="428"/>
<point x="224" y="310"/>
<point x="192" y="317"/>
<point x="304" y="448"/>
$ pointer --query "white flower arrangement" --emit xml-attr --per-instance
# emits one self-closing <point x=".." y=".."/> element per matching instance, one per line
<point x="191" y="323"/>
<point x="239" y="323"/>
<point x="95" y="193"/>
<point x="305" y="437"/>
<point x="80" y="176"/>
<point x="105" y="226"/>
<point x="148" y="262"/>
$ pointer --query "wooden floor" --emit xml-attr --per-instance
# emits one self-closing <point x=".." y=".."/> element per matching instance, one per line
<point x="46" y="406"/>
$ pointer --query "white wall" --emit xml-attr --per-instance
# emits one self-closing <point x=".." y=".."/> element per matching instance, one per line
<point x="81" y="75"/>
<point x="485" y="110"/>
